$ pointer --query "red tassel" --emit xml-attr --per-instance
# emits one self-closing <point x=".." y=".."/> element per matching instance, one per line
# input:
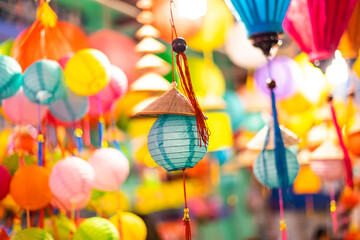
<point x="203" y="131"/>
<point x="186" y="218"/>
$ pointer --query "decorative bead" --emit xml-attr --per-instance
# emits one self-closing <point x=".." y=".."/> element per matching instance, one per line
<point x="332" y="206"/>
<point x="179" y="45"/>
<point x="186" y="215"/>
<point x="104" y="144"/>
<point x="271" y="83"/>
<point x="78" y="132"/>
<point x="329" y="98"/>
<point x="282" y="225"/>
<point x="40" y="138"/>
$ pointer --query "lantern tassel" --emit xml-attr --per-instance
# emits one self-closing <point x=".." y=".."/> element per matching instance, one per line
<point x="282" y="221"/>
<point x="347" y="161"/>
<point x="203" y="131"/>
<point x="186" y="218"/>
<point x="40" y="138"/>
<point x="333" y="209"/>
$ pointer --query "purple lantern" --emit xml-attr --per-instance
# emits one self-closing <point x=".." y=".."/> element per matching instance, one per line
<point x="284" y="71"/>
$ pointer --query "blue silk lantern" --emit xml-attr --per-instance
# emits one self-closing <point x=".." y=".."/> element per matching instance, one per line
<point x="262" y="18"/>
<point x="266" y="171"/>
<point x="44" y="82"/>
<point x="70" y="108"/>
<point x="10" y="76"/>
<point x="173" y="142"/>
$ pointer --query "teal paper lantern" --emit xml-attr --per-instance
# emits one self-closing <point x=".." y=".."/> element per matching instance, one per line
<point x="44" y="82"/>
<point x="10" y="76"/>
<point x="260" y="16"/>
<point x="70" y="108"/>
<point x="96" y="228"/>
<point x="268" y="174"/>
<point x="32" y="234"/>
<point x="173" y="142"/>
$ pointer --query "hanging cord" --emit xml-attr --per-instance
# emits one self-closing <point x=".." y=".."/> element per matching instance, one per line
<point x="279" y="152"/>
<point x="347" y="160"/>
<point x="40" y="137"/>
<point x="186" y="218"/>
<point x="333" y="208"/>
<point x="173" y="36"/>
<point x="101" y="124"/>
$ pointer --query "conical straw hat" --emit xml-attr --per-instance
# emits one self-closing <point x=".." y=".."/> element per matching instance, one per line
<point x="152" y="82"/>
<point x="171" y="102"/>
<point x="147" y="31"/>
<point x="258" y="141"/>
<point x="211" y="102"/>
<point x="328" y="150"/>
<point x="152" y="63"/>
<point x="149" y="44"/>
<point x="141" y="105"/>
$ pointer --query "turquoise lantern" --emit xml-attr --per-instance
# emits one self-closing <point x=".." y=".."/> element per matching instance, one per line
<point x="44" y="82"/>
<point x="70" y="108"/>
<point x="10" y="76"/>
<point x="173" y="142"/>
<point x="262" y="18"/>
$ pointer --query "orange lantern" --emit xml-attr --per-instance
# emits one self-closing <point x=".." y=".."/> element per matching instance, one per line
<point x="307" y="182"/>
<point x="29" y="187"/>
<point x="349" y="198"/>
<point x="47" y="37"/>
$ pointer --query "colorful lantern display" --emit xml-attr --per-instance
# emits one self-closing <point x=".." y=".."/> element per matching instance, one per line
<point x="132" y="226"/>
<point x="78" y="181"/>
<point x="70" y="108"/>
<point x="10" y="76"/>
<point x="263" y="20"/>
<point x="87" y="72"/>
<point x="44" y="82"/>
<point x="96" y="228"/>
<point x="47" y="38"/>
<point x="111" y="168"/>
<point x="32" y="234"/>
<point x="30" y="187"/>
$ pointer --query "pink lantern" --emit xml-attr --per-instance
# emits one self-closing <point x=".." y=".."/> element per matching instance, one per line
<point x="5" y="178"/>
<point x="72" y="179"/>
<point x="111" y="168"/>
<point x="67" y="205"/>
<point x="21" y="111"/>
<point x="114" y="90"/>
<point x="119" y="48"/>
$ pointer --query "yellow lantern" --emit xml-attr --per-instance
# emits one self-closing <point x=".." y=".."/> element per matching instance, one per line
<point x="132" y="227"/>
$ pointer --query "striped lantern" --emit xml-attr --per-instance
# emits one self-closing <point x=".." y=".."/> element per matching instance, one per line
<point x="96" y="228"/>
<point x="72" y="179"/>
<point x="10" y="76"/>
<point x="44" y="82"/>
<point x="32" y="234"/>
<point x="70" y="108"/>
<point x="173" y="142"/>
<point x="266" y="172"/>
<point x="327" y="161"/>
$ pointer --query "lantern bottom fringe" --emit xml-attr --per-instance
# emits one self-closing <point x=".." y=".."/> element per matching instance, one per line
<point x="186" y="218"/>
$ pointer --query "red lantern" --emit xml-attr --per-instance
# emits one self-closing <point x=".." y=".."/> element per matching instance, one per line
<point x="328" y="19"/>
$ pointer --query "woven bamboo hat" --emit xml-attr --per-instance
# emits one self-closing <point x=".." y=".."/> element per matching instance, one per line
<point x="150" y="82"/>
<point x="257" y="142"/>
<point x="171" y="102"/>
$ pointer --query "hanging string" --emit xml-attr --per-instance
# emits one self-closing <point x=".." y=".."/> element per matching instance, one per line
<point x="79" y="143"/>
<point x="102" y="142"/>
<point x="186" y="218"/>
<point x="40" y="137"/>
<point x="282" y="221"/>
<point x="173" y="36"/>
<point x="28" y="223"/>
<point x="114" y="132"/>
<point x="347" y="160"/>
<point x="333" y="208"/>
<point x="53" y="223"/>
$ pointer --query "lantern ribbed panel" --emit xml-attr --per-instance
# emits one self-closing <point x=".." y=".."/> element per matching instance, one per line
<point x="329" y="170"/>
<point x="173" y="142"/>
<point x="29" y="187"/>
<point x="10" y="76"/>
<point x="265" y="169"/>
<point x="111" y="168"/>
<point x="96" y="228"/>
<point x="44" y="75"/>
<point x="67" y="205"/>
<point x="71" y="178"/>
<point x="260" y="16"/>
<point x="328" y="21"/>
<point x="32" y="234"/>
<point x="70" y="108"/>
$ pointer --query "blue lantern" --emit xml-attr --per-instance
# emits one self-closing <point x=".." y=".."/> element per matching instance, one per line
<point x="10" y="76"/>
<point x="266" y="170"/>
<point x="70" y="108"/>
<point x="260" y="16"/>
<point x="173" y="142"/>
<point x="44" y="82"/>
